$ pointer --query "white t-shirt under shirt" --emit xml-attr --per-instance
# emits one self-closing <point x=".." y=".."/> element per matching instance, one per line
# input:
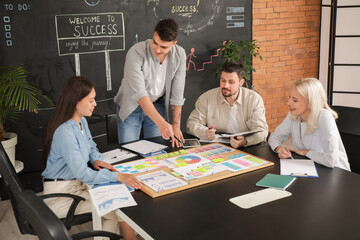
<point x="233" y="125"/>
<point x="159" y="87"/>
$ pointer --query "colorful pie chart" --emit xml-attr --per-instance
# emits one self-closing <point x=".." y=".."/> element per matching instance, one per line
<point x="189" y="159"/>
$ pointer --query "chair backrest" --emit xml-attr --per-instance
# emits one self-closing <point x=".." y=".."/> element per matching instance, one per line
<point x="349" y="128"/>
<point x="111" y="128"/>
<point x="13" y="187"/>
<point x="44" y="221"/>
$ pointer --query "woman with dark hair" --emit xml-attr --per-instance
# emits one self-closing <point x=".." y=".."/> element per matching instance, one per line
<point x="68" y="147"/>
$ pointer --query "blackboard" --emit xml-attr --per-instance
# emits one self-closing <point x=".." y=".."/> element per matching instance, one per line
<point x="57" y="39"/>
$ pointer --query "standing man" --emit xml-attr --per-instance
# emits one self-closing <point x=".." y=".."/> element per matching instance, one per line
<point x="230" y="108"/>
<point x="154" y="78"/>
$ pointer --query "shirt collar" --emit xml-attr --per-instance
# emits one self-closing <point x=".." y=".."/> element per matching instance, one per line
<point x="148" y="45"/>
<point x="222" y="99"/>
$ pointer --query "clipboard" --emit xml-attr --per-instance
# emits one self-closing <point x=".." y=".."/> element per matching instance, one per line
<point x="298" y="168"/>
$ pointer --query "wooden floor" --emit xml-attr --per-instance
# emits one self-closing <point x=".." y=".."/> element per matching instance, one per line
<point x="10" y="231"/>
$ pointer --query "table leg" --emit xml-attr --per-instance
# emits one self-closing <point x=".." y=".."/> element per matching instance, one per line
<point x="132" y="224"/>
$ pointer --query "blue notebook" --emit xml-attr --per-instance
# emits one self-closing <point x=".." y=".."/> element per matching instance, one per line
<point x="276" y="181"/>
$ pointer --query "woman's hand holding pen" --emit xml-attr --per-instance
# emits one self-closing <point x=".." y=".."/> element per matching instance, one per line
<point x="210" y="133"/>
<point x="283" y="152"/>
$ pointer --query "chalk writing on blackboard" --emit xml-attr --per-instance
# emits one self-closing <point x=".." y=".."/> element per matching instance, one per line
<point x="89" y="33"/>
<point x="92" y="3"/>
<point x="192" y="15"/>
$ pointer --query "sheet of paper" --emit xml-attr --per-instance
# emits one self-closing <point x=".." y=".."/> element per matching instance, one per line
<point x="239" y="134"/>
<point x="142" y="165"/>
<point x="109" y="197"/>
<point x="198" y="170"/>
<point x="117" y="155"/>
<point x="185" y="160"/>
<point x="242" y="161"/>
<point x="218" y="138"/>
<point x="160" y="181"/>
<point x="298" y="167"/>
<point x="144" y="147"/>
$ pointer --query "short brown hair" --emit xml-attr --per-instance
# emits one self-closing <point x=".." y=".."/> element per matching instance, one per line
<point x="167" y="29"/>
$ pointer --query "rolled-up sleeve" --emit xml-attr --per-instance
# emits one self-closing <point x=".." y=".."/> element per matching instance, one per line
<point x="178" y="83"/>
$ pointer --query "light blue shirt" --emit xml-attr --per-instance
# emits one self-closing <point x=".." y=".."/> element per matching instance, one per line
<point x="324" y="144"/>
<point x="70" y="152"/>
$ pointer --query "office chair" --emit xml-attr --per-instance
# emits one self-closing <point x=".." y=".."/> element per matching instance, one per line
<point x="47" y="225"/>
<point x="14" y="189"/>
<point x="349" y="128"/>
<point x="111" y="129"/>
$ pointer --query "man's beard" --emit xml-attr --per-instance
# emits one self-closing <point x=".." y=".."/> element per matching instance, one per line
<point x="230" y="94"/>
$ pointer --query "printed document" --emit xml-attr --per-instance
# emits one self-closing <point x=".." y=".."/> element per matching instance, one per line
<point x="108" y="197"/>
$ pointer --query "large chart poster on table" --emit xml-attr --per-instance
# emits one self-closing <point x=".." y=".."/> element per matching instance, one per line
<point x="183" y="169"/>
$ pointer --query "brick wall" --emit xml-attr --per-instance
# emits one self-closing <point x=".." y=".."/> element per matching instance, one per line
<point x="288" y="33"/>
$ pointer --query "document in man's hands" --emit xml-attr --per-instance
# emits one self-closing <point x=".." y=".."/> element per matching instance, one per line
<point x="144" y="147"/>
<point x="247" y="133"/>
<point x="225" y="137"/>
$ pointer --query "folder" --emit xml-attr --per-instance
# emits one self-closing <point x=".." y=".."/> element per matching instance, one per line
<point x="276" y="181"/>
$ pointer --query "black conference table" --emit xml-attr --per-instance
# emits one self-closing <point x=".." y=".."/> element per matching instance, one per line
<point x="327" y="207"/>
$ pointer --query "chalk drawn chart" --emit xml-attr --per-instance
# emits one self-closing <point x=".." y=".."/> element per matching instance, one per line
<point x="195" y="166"/>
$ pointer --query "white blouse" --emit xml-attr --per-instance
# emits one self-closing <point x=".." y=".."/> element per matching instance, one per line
<point x="324" y="144"/>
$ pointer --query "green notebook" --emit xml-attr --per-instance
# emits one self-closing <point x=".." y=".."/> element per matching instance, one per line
<point x="276" y="181"/>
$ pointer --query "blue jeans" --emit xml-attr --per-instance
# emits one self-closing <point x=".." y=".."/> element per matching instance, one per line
<point x="129" y="130"/>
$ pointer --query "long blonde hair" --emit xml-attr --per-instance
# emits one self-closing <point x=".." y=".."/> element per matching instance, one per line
<point x="312" y="90"/>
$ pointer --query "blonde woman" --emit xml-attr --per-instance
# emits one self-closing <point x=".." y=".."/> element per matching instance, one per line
<point x="311" y="123"/>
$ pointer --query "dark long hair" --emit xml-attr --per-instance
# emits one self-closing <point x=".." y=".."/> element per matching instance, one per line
<point x="74" y="89"/>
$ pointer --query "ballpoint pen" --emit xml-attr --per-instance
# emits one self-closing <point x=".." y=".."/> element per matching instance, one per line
<point x="285" y="150"/>
<point x="179" y="140"/>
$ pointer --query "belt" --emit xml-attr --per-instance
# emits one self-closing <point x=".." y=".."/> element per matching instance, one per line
<point x="52" y="180"/>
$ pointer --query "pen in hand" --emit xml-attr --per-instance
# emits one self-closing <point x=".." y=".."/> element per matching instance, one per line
<point x="179" y="140"/>
<point x="286" y="151"/>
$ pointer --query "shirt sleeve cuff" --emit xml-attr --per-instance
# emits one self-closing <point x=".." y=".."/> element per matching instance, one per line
<point x="113" y="176"/>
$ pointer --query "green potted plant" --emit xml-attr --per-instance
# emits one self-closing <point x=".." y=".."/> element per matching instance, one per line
<point x="16" y="95"/>
<point x="243" y="51"/>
